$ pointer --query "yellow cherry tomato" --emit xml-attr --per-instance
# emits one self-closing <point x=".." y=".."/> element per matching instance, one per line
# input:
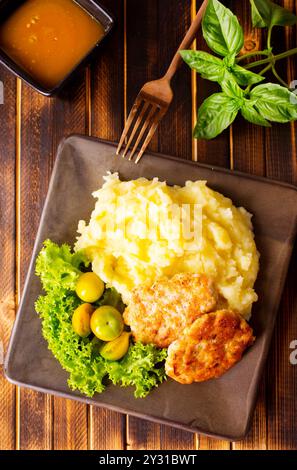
<point x="107" y="323"/>
<point x="89" y="287"/>
<point x="116" y="349"/>
<point x="81" y="320"/>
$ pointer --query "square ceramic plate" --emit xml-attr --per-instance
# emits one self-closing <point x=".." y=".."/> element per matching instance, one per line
<point x="222" y="407"/>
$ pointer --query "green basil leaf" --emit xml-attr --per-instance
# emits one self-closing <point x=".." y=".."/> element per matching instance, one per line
<point x="210" y="67"/>
<point x="274" y="102"/>
<point x="221" y="29"/>
<point x="251" y="114"/>
<point x="245" y="77"/>
<point x="257" y="19"/>
<point x="282" y="16"/>
<point x="229" y="60"/>
<point x="267" y="13"/>
<point x="214" y="115"/>
<point x="230" y="86"/>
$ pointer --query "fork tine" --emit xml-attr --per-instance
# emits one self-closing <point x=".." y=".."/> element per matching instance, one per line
<point x="144" y="128"/>
<point x="131" y="116"/>
<point x="150" y="135"/>
<point x="136" y="126"/>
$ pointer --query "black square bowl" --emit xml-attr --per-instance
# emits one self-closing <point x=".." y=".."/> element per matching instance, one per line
<point x="7" y="7"/>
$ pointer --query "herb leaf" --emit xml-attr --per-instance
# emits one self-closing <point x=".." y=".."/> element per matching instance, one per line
<point x="215" y="115"/>
<point x="215" y="69"/>
<point x="221" y="29"/>
<point x="210" y="67"/>
<point x="245" y="77"/>
<point x="251" y="114"/>
<point x="257" y="19"/>
<point x="274" y="102"/>
<point x="230" y="86"/>
<point x="267" y="13"/>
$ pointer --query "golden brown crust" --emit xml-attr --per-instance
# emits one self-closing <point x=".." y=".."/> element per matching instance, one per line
<point x="209" y="347"/>
<point x="159" y="313"/>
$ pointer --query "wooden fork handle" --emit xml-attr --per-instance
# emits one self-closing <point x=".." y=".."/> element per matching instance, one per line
<point x="187" y="42"/>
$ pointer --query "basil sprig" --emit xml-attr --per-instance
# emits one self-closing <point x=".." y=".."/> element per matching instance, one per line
<point x="221" y="29"/>
<point x="268" y="14"/>
<point x="258" y="103"/>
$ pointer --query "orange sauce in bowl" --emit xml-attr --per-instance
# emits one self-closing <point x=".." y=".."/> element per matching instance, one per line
<point x="48" y="38"/>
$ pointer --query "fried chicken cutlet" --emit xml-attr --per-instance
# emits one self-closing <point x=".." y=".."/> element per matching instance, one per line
<point x="209" y="347"/>
<point x="159" y="314"/>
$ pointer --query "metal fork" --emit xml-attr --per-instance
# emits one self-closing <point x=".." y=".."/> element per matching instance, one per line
<point x="154" y="100"/>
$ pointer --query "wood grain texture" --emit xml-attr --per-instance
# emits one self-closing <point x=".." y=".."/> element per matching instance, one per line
<point x="107" y="429"/>
<point x="213" y="152"/>
<point x="36" y="408"/>
<point x="281" y="375"/>
<point x="7" y="260"/>
<point x="144" y="435"/>
<point x="158" y="29"/>
<point x="175" y="130"/>
<point x="142" y="63"/>
<point x="208" y="443"/>
<point x="70" y="425"/>
<point x="107" y="81"/>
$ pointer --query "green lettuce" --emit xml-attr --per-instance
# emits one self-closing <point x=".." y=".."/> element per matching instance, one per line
<point x="58" y="268"/>
<point x="143" y="365"/>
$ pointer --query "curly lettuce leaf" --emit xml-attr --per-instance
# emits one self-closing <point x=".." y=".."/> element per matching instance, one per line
<point x="75" y="354"/>
<point x="59" y="270"/>
<point x="141" y="367"/>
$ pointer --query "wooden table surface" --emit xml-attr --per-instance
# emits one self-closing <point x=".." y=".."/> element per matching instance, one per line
<point x="31" y="126"/>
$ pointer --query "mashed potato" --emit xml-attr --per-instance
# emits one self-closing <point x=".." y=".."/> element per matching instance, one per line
<point x="135" y="236"/>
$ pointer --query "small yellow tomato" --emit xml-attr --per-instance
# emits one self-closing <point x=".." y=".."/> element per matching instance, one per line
<point x="81" y="320"/>
<point x="116" y="349"/>
<point x="107" y="323"/>
<point x="89" y="287"/>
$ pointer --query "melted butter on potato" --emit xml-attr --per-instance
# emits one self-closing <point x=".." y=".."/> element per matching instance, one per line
<point x="126" y="253"/>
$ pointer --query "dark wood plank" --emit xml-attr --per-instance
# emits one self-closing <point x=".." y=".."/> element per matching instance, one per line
<point x="7" y="263"/>
<point x="248" y="139"/>
<point x="175" y="131"/>
<point x="107" y="93"/>
<point x="107" y="430"/>
<point x="44" y="123"/>
<point x="70" y="425"/>
<point x="144" y="435"/>
<point x="142" y="62"/>
<point x="249" y="156"/>
<point x="152" y="40"/>
<point x="208" y="443"/>
<point x="36" y="408"/>
<point x="280" y="140"/>
<point x="217" y="151"/>
<point x="281" y="375"/>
